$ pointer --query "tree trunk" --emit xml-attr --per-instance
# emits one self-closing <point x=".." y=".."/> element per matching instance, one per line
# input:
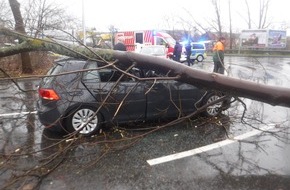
<point x="19" y="27"/>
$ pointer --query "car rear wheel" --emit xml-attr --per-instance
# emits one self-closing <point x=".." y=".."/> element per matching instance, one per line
<point x="84" y="120"/>
<point x="215" y="109"/>
<point x="199" y="58"/>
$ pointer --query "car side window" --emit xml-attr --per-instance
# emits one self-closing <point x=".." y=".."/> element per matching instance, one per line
<point x="108" y="75"/>
<point x="152" y="73"/>
<point x="91" y="75"/>
<point x="105" y="75"/>
<point x="112" y="75"/>
<point x="136" y="72"/>
<point x="197" y="46"/>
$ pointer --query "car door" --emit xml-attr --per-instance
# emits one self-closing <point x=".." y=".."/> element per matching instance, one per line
<point x="162" y="99"/>
<point x="188" y="95"/>
<point x="170" y="98"/>
<point x="121" y="101"/>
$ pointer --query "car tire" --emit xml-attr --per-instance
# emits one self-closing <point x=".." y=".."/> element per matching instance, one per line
<point x="78" y="117"/>
<point x="199" y="58"/>
<point x="212" y="110"/>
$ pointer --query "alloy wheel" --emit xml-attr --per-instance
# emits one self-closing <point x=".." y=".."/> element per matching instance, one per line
<point x="213" y="110"/>
<point x="85" y="121"/>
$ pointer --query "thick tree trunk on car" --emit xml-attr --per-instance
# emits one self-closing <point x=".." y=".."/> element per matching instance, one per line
<point x="19" y="27"/>
<point x="236" y="87"/>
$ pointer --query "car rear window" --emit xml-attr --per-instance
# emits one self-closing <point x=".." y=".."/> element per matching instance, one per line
<point x="63" y="71"/>
<point x="53" y="71"/>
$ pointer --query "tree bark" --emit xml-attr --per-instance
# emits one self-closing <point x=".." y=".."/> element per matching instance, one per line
<point x="19" y="27"/>
<point x="273" y="95"/>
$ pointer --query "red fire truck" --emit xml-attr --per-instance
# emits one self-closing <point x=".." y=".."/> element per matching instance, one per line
<point x="135" y="39"/>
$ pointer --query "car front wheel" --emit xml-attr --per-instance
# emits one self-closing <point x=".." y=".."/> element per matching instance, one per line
<point x="84" y="120"/>
<point x="215" y="109"/>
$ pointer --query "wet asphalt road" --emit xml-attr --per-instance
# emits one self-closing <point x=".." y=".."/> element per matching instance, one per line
<point x="225" y="153"/>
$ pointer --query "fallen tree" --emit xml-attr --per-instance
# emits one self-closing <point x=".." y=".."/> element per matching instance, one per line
<point x="55" y="152"/>
<point x="273" y="95"/>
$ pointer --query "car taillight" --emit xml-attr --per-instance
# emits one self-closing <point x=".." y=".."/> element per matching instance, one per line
<point x="48" y="94"/>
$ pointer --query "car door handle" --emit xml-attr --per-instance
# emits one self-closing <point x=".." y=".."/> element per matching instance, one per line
<point x="75" y="93"/>
<point x="105" y="91"/>
<point x="98" y="90"/>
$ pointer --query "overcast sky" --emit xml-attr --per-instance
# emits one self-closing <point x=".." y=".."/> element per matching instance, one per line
<point x="150" y="14"/>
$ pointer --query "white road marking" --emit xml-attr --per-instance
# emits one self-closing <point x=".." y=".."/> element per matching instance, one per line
<point x="16" y="114"/>
<point x="206" y="148"/>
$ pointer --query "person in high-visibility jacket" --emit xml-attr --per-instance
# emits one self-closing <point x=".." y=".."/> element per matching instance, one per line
<point x="218" y="56"/>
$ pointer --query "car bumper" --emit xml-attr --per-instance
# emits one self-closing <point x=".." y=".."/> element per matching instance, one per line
<point x="49" y="117"/>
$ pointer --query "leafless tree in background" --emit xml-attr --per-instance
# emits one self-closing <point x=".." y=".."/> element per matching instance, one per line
<point x="5" y="15"/>
<point x="40" y="15"/>
<point x="263" y="14"/>
<point x="218" y="21"/>
<point x="32" y="17"/>
<point x="248" y="20"/>
<point x="192" y="23"/>
<point x="19" y="27"/>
